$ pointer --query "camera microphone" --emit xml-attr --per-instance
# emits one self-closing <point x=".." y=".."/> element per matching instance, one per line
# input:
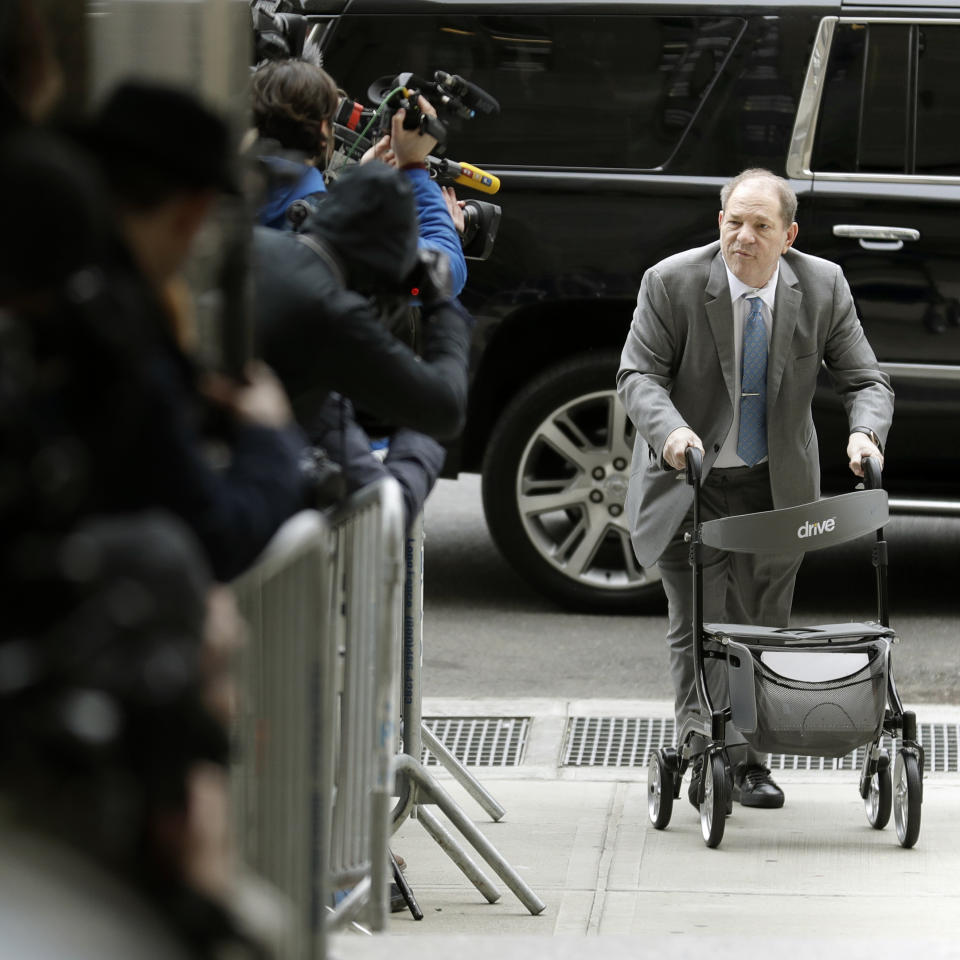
<point x="468" y="175"/>
<point x="478" y="99"/>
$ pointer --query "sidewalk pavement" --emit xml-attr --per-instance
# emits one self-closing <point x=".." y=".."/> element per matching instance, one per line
<point x="810" y="878"/>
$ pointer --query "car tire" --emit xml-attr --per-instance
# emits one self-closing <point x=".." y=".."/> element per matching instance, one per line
<point x="554" y="481"/>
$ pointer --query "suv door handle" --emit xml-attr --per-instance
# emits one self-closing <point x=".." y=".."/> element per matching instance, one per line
<point x="876" y="238"/>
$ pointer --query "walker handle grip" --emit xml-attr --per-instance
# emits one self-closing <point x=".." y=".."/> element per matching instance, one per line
<point x="871" y="473"/>
<point x="694" y="465"/>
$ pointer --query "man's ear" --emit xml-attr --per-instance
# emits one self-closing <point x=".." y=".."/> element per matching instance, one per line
<point x="791" y="236"/>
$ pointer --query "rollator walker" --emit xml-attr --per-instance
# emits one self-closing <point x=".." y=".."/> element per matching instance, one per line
<point x="820" y="691"/>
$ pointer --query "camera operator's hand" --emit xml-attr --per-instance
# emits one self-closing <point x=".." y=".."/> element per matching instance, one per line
<point x="435" y="279"/>
<point x="381" y="150"/>
<point x="411" y="146"/>
<point x="455" y="208"/>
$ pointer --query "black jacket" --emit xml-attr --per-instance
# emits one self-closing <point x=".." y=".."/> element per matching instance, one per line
<point x="159" y="449"/>
<point x="99" y="411"/>
<point x="319" y="334"/>
<point x="413" y="459"/>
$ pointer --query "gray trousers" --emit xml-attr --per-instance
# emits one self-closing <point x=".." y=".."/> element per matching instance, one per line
<point x="737" y="588"/>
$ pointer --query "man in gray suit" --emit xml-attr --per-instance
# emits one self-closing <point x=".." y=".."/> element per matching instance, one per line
<point x="723" y="355"/>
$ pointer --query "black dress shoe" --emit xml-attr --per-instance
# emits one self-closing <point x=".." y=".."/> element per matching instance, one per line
<point x="754" y="787"/>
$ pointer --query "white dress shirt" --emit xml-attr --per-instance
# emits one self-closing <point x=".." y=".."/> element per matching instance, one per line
<point x="739" y="292"/>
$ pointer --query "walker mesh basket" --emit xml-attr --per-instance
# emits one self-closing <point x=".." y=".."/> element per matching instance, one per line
<point x="819" y="691"/>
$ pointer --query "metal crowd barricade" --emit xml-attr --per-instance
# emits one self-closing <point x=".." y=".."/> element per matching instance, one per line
<point x="282" y="732"/>
<point x="365" y="627"/>
<point x="316" y="727"/>
<point x="417" y="787"/>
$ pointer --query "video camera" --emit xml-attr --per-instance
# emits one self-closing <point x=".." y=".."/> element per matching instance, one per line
<point x="357" y="128"/>
<point x="451" y="96"/>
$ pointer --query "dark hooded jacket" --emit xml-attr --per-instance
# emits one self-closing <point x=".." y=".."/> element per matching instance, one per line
<point x="100" y="411"/>
<point x="317" y="328"/>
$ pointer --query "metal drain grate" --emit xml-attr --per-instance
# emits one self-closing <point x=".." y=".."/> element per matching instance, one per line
<point x="615" y="741"/>
<point x="479" y="741"/>
<point x="629" y="741"/>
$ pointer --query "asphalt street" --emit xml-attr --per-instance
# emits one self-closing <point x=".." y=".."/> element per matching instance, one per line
<point x="488" y="634"/>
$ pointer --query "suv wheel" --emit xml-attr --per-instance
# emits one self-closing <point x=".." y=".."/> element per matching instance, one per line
<point x="554" y="482"/>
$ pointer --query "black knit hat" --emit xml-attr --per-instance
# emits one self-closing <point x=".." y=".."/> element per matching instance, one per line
<point x="166" y="130"/>
<point x="369" y="217"/>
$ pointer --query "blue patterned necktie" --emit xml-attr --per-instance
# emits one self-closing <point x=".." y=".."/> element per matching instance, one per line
<point x="752" y="439"/>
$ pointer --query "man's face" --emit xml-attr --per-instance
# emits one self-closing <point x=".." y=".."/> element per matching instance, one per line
<point x="752" y="232"/>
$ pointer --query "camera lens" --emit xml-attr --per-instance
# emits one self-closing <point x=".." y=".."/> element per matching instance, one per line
<point x="471" y="221"/>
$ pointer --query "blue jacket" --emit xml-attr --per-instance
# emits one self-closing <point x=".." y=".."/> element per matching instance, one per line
<point x="437" y="231"/>
<point x="298" y="180"/>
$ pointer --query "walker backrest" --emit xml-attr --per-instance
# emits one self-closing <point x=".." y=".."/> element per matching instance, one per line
<point x="810" y="526"/>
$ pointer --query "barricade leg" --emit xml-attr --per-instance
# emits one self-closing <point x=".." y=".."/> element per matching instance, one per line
<point x="457" y="854"/>
<point x="414" y="731"/>
<point x="416" y="784"/>
<point x="435" y="793"/>
<point x="462" y="775"/>
<point x="407" y="806"/>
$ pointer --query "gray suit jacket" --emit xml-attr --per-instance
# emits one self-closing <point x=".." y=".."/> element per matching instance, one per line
<point x="677" y="370"/>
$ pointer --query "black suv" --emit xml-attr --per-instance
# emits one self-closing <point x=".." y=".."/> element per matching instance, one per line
<point x="620" y="121"/>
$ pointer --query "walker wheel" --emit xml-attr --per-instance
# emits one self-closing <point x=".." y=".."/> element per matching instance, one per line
<point x="660" y="789"/>
<point x="907" y="797"/>
<point x="713" y="810"/>
<point x="879" y="799"/>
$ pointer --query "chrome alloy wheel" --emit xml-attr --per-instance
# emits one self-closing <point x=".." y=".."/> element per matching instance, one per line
<point x="571" y="487"/>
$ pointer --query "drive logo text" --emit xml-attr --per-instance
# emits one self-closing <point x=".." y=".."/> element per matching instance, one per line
<point x="809" y="529"/>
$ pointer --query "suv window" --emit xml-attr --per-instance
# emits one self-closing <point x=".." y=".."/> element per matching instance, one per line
<point x="891" y="132"/>
<point x="646" y="76"/>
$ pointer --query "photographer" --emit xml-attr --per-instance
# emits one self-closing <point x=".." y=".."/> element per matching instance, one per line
<point x="294" y="103"/>
<point x="318" y="327"/>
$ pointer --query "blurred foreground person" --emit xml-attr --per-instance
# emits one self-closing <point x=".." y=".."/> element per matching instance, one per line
<point x="102" y="411"/>
<point x="31" y="78"/>
<point x="114" y="826"/>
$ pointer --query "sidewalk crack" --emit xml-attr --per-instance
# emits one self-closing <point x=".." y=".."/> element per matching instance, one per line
<point x="609" y="845"/>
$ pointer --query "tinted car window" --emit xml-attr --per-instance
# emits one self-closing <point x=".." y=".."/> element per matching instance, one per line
<point x="571" y="93"/>
<point x="748" y="120"/>
<point x="906" y="120"/>
<point x="938" y="101"/>
<point x="884" y="118"/>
